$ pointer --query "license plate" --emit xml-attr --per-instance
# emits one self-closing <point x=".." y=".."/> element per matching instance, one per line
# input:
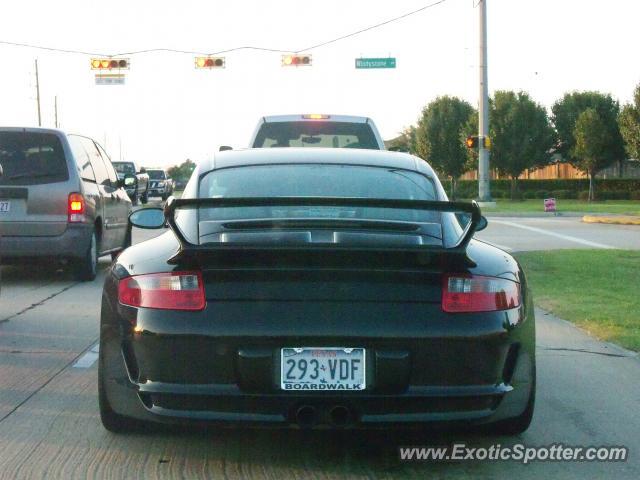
<point x="322" y="369"/>
<point x="4" y="206"/>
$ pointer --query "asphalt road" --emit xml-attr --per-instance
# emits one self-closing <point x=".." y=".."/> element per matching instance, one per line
<point x="551" y="233"/>
<point x="588" y="395"/>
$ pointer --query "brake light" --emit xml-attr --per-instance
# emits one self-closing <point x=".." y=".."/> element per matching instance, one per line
<point x="316" y="116"/>
<point x="167" y="291"/>
<point x="75" y="208"/>
<point x="474" y="293"/>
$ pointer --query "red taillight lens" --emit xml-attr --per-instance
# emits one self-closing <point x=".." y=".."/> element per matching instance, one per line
<point x="75" y="208"/>
<point x="474" y="293"/>
<point x="167" y="291"/>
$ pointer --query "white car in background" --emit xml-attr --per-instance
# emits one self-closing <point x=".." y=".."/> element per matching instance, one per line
<point x="317" y="130"/>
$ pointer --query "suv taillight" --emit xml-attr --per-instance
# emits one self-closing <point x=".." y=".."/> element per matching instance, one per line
<point x="475" y="293"/>
<point x="167" y="291"/>
<point x="75" y="208"/>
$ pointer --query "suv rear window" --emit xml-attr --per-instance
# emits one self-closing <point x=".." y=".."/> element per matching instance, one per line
<point x="316" y="134"/>
<point x="31" y="158"/>
<point x="124" y="167"/>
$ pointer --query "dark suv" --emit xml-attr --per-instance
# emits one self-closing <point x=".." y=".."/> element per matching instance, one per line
<point x="160" y="184"/>
<point x="60" y="197"/>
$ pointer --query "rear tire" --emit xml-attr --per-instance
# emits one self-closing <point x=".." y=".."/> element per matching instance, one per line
<point x="111" y="420"/>
<point x="86" y="268"/>
<point x="516" y="425"/>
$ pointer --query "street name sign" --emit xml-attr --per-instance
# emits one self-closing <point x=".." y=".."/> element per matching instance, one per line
<point x="389" y="62"/>
<point x="109" y="78"/>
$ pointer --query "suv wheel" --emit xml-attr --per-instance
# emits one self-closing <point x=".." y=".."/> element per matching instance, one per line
<point x="125" y="244"/>
<point x="87" y="267"/>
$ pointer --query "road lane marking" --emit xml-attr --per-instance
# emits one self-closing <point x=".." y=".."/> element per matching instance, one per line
<point x="554" y="234"/>
<point x="497" y="245"/>
<point x="88" y="358"/>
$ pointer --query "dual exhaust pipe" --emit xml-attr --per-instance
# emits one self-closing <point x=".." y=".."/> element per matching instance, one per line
<point x="337" y="416"/>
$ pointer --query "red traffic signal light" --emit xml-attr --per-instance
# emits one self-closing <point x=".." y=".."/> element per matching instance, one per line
<point x="296" y="60"/>
<point x="210" y="62"/>
<point x="109" y="63"/>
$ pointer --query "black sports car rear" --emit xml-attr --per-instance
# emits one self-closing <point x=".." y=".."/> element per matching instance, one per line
<point x="326" y="288"/>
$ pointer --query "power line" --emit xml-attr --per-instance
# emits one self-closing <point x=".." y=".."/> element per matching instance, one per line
<point x="195" y="52"/>
<point x="386" y="22"/>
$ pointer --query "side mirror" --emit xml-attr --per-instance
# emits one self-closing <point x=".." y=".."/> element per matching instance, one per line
<point x="1" y="172"/>
<point x="482" y="224"/>
<point x="128" y="180"/>
<point x="225" y="148"/>
<point x="149" y="218"/>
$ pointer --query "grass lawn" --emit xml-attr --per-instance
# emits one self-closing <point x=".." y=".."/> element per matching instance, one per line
<point x="627" y="207"/>
<point x="595" y="289"/>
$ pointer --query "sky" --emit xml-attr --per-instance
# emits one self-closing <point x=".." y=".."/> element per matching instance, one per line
<point x="168" y="110"/>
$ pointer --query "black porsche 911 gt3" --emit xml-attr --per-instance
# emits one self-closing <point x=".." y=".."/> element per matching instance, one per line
<point x="316" y="288"/>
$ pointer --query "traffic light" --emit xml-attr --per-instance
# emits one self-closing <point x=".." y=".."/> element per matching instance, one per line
<point x="210" y="62"/>
<point x="474" y="141"/>
<point x="296" y="60"/>
<point x="109" y="63"/>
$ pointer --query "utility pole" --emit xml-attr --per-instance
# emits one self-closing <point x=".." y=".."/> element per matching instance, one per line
<point x="38" y="95"/>
<point x="484" y="186"/>
<point x="55" y="108"/>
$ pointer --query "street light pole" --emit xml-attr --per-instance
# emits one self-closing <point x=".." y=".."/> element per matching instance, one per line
<point x="484" y="186"/>
<point x="38" y="95"/>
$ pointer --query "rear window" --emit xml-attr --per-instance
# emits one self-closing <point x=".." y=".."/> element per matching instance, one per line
<point x="31" y="158"/>
<point x="317" y="180"/>
<point x="124" y="168"/>
<point x="316" y="134"/>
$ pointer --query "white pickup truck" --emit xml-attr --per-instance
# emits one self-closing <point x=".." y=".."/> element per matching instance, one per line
<point x="316" y="130"/>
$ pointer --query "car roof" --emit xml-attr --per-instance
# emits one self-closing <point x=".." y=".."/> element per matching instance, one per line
<point x="292" y="155"/>
<point x="300" y="117"/>
<point x="32" y="130"/>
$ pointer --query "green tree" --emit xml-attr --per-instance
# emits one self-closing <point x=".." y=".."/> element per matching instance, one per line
<point x="591" y="145"/>
<point x="182" y="172"/>
<point x="405" y="142"/>
<point x="565" y="113"/>
<point x="439" y="137"/>
<point x="521" y="135"/>
<point x="630" y="125"/>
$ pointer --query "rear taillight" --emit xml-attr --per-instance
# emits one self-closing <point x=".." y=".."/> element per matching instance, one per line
<point x="75" y="208"/>
<point x="167" y="291"/>
<point x="474" y="293"/>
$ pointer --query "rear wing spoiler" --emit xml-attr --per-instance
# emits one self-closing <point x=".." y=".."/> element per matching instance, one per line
<point x="187" y="247"/>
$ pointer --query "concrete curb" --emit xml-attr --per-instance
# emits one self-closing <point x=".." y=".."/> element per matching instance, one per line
<point x="612" y="219"/>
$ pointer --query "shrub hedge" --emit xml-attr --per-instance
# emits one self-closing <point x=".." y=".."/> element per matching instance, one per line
<point x="606" y="189"/>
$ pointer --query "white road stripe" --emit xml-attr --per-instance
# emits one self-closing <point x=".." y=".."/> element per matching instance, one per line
<point x="497" y="245"/>
<point x="554" y="234"/>
<point x="88" y="358"/>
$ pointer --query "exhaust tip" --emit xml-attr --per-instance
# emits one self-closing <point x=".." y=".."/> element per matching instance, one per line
<point x="306" y="416"/>
<point x="340" y="416"/>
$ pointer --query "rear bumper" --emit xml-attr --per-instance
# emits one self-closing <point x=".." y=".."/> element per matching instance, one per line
<point x="73" y="243"/>
<point x="161" y="375"/>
